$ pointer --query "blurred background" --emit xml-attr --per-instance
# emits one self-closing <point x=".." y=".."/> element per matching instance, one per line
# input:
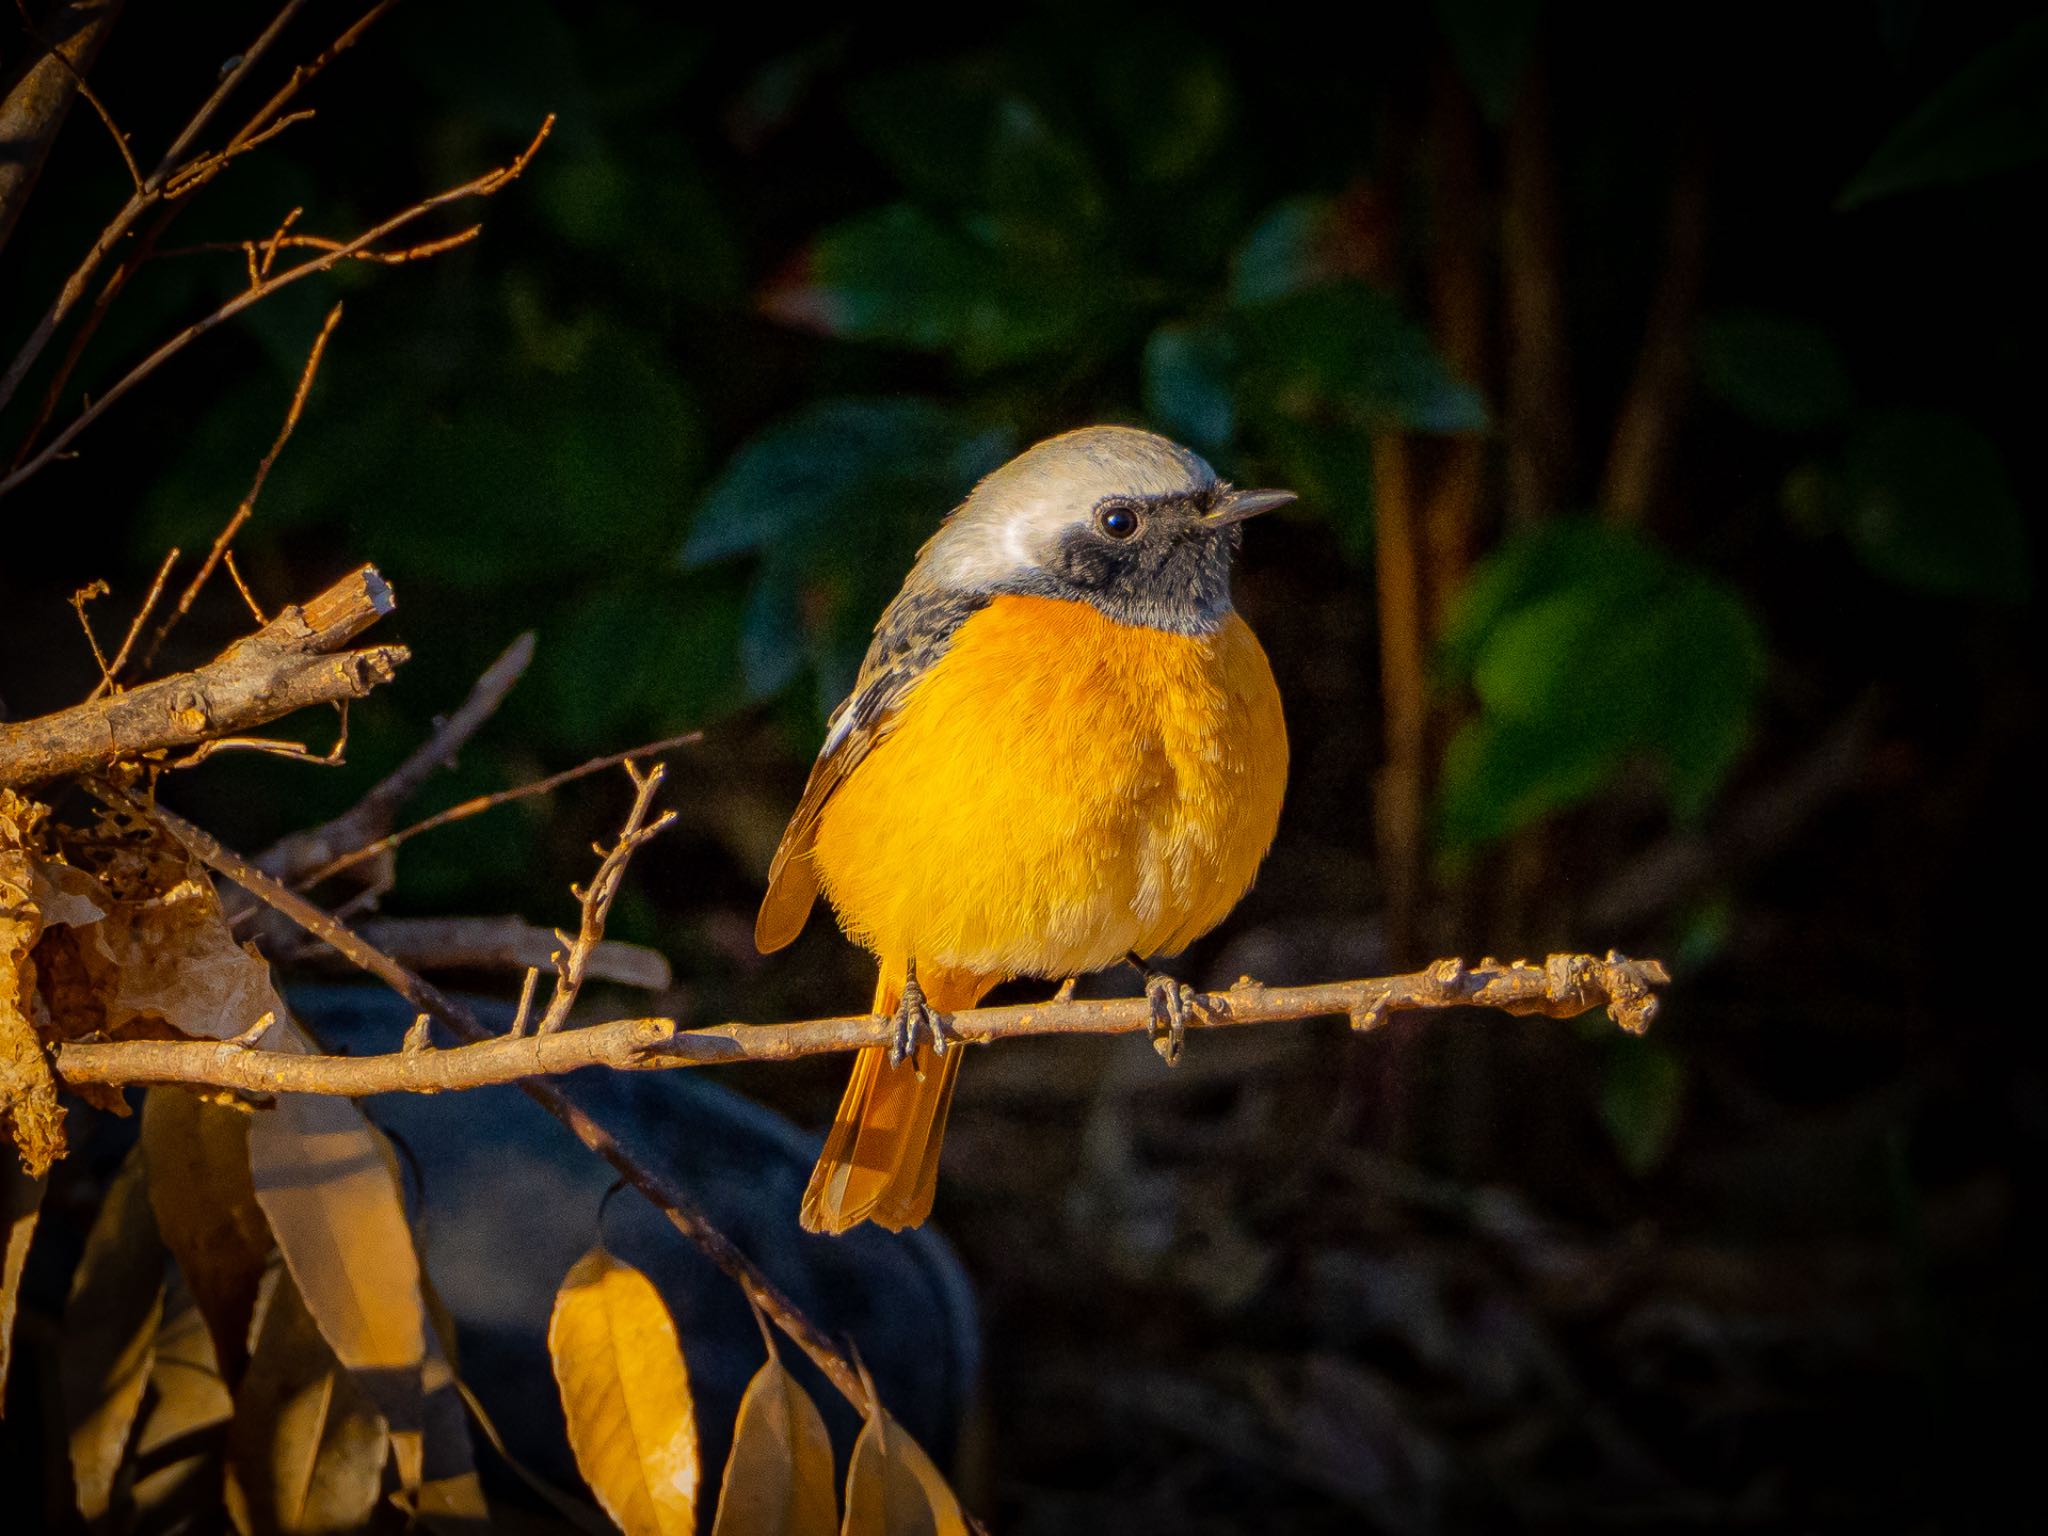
<point x="1658" y="390"/>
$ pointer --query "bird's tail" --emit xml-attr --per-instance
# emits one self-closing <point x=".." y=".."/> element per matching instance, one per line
<point x="881" y="1162"/>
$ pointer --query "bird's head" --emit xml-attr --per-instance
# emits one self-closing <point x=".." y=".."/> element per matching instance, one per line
<point x="1124" y="520"/>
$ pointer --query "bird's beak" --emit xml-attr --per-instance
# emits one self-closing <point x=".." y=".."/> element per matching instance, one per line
<point x="1239" y="505"/>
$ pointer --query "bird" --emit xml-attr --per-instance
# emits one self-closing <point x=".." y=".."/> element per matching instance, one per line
<point x="1064" y="751"/>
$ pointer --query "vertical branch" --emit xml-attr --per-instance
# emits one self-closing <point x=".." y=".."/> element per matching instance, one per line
<point x="1458" y="294"/>
<point x="1539" y="417"/>
<point x="1644" y="432"/>
<point x="1404" y="687"/>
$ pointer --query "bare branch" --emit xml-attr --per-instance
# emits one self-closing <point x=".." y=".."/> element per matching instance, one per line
<point x="322" y="848"/>
<point x="500" y="944"/>
<point x="572" y="964"/>
<point x="112" y="675"/>
<point x="141" y="201"/>
<point x="681" y="1211"/>
<point x="479" y="186"/>
<point x="293" y="661"/>
<point x="1563" y="986"/>
<point x="481" y="803"/>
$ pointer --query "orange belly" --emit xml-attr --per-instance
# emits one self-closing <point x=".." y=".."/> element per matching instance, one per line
<point x="1057" y="792"/>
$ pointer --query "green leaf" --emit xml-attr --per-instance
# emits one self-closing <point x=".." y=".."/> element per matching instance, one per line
<point x="1043" y="193"/>
<point x="902" y="276"/>
<point x="1492" y="42"/>
<point x="1345" y="353"/>
<point x="1284" y="253"/>
<point x="833" y="503"/>
<point x="821" y="465"/>
<point x="1587" y="649"/>
<point x="1928" y="504"/>
<point x="1776" y="371"/>
<point x="1640" y="1099"/>
<point x="1991" y="116"/>
<point x="1330" y="469"/>
<point x="1188" y="372"/>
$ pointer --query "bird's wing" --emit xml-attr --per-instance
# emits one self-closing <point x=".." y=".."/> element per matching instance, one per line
<point x="914" y="633"/>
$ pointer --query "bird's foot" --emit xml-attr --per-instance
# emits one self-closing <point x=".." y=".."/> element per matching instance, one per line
<point x="1173" y="1002"/>
<point x="916" y="1023"/>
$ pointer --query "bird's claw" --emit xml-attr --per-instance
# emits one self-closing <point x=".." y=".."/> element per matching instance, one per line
<point x="916" y="1023"/>
<point x="1172" y="1002"/>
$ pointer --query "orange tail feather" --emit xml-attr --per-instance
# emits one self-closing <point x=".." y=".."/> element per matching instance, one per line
<point x="881" y="1161"/>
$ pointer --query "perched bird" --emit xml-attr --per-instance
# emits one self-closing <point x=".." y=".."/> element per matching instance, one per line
<point x="1063" y="751"/>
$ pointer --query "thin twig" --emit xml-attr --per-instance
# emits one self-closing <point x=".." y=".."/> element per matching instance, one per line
<point x="98" y="26"/>
<point x="480" y="186"/>
<point x="112" y="677"/>
<point x="1563" y="986"/>
<point x="247" y="507"/>
<point x="370" y="818"/>
<point x="141" y="249"/>
<point x="491" y="801"/>
<point x="572" y="963"/>
<point x="490" y="944"/>
<point x="79" y="600"/>
<point x="260" y="253"/>
<point x="140" y="202"/>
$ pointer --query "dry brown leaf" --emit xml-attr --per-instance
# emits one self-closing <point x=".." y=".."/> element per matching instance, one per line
<point x="778" y="1479"/>
<point x="892" y="1488"/>
<point x="205" y="1204"/>
<point x="110" y="1330"/>
<point x="183" y="1428"/>
<point x="169" y="960"/>
<point x="320" y="1174"/>
<point x="28" y="1088"/>
<point x="626" y="1394"/>
<point x="21" y="1201"/>
<point x="306" y="1449"/>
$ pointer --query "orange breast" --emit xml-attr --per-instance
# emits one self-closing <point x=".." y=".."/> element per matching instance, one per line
<point x="1060" y="790"/>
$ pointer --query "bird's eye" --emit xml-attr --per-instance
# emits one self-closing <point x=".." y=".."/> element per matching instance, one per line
<point x="1118" y="522"/>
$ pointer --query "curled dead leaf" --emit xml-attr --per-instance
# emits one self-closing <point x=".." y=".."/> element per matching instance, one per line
<point x="626" y="1394"/>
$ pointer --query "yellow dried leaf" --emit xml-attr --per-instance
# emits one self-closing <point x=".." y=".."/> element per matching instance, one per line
<point x="21" y="1201"/>
<point x="892" y="1488"/>
<point x="626" y="1394"/>
<point x="205" y="1205"/>
<point x="320" y="1175"/>
<point x="110" y="1329"/>
<point x="306" y="1449"/>
<point x="778" y="1479"/>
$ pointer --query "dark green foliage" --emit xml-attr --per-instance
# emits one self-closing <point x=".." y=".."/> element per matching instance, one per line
<point x="1586" y="649"/>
